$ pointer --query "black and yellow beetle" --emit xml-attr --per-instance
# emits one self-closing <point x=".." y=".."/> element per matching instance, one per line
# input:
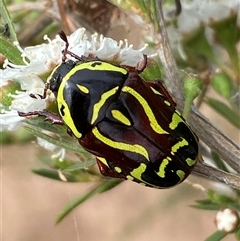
<point x="131" y="126"/>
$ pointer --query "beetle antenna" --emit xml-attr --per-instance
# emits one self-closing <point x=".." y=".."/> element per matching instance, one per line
<point x="64" y="38"/>
<point x="66" y="51"/>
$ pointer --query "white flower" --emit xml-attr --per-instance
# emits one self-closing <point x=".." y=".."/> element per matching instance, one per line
<point x="209" y="11"/>
<point x="41" y="59"/>
<point x="206" y="11"/>
<point x="200" y="12"/>
<point x="227" y="220"/>
<point x="10" y="120"/>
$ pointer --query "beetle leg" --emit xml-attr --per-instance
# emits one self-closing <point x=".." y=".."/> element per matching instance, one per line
<point x="43" y="96"/>
<point x="106" y="170"/>
<point x="49" y="116"/>
<point x="81" y="58"/>
<point x="158" y="86"/>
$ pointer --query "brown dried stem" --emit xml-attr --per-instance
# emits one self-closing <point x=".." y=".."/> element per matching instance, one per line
<point x="206" y="131"/>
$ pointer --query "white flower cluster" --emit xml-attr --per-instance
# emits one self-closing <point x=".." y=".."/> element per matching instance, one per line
<point x="43" y="58"/>
<point x="205" y="11"/>
<point x="197" y="12"/>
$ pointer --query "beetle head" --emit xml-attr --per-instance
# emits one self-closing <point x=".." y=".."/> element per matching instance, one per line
<point x="58" y="74"/>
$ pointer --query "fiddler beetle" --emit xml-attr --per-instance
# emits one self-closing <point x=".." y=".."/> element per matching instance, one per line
<point x="130" y="125"/>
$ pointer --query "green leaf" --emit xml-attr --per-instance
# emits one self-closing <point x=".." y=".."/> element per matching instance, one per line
<point x="237" y="233"/>
<point x="79" y="166"/>
<point x="10" y="52"/>
<point x="152" y="72"/>
<point x="217" y="236"/>
<point x="222" y="84"/>
<point x="80" y="176"/>
<point x="220" y="199"/>
<point x="64" y="144"/>
<point x="5" y="91"/>
<point x="210" y="206"/>
<point x="234" y="206"/>
<point x="5" y="137"/>
<point x="52" y="174"/>
<point x="40" y="124"/>
<point x="102" y="187"/>
<point x="192" y="86"/>
<point x="225" y="111"/>
<point x="19" y="136"/>
<point x="219" y="162"/>
<point x="204" y="201"/>
<point x="196" y="46"/>
<point x="216" y="201"/>
<point x="5" y="16"/>
<point x="227" y="34"/>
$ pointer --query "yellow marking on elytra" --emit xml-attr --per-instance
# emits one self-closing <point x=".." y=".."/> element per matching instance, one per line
<point x="153" y="122"/>
<point x="103" y="160"/>
<point x="179" y="144"/>
<point x="161" y="172"/>
<point x="95" y="65"/>
<point x="155" y="91"/>
<point x="118" y="169"/>
<point x="181" y="174"/>
<point x="129" y="177"/>
<point x="62" y="105"/>
<point x="97" y="106"/>
<point x="137" y="172"/>
<point x="178" y="112"/>
<point x="190" y="161"/>
<point x="83" y="88"/>
<point x="176" y="119"/>
<point x="158" y="93"/>
<point x="121" y="145"/>
<point x="167" y="102"/>
<point x="121" y="117"/>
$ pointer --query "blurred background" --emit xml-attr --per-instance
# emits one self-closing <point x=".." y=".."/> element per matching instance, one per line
<point x="129" y="212"/>
<point x="31" y="203"/>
